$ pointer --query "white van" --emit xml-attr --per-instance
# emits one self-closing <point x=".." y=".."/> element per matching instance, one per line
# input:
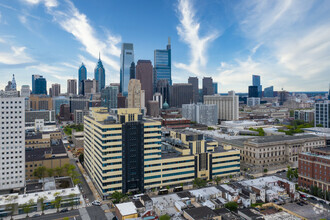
<point x="137" y="196"/>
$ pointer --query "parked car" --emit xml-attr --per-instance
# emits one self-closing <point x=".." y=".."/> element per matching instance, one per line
<point x="312" y="198"/>
<point x="64" y="210"/>
<point x="96" y="203"/>
<point x="322" y="202"/>
<point x="303" y="202"/>
<point x="36" y="215"/>
<point x="299" y="203"/>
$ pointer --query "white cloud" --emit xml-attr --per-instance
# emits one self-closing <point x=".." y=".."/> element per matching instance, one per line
<point x="16" y="56"/>
<point x="48" y="3"/>
<point x="189" y="32"/>
<point x="22" y="19"/>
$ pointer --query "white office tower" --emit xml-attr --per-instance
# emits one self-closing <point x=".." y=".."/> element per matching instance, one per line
<point x="25" y="91"/>
<point x="228" y="105"/>
<point x="322" y="114"/>
<point x="12" y="142"/>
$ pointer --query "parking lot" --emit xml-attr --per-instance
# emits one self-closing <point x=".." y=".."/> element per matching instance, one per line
<point x="309" y="211"/>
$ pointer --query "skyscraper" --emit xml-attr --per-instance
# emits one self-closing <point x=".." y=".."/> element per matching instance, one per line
<point x="253" y="91"/>
<point x="162" y="62"/>
<point x="144" y="74"/>
<point x="82" y="75"/>
<point x="34" y="77"/>
<point x="25" y="91"/>
<point x="208" y="86"/>
<point x="322" y="114"/>
<point x="215" y="87"/>
<point x="71" y="86"/>
<point x="163" y="88"/>
<point x="40" y="86"/>
<point x="134" y="94"/>
<point x="256" y="82"/>
<point x="56" y="90"/>
<point x="269" y="91"/>
<point x="194" y="82"/>
<point x="13" y="84"/>
<point x="99" y="75"/>
<point x="126" y="60"/>
<point x="181" y="93"/>
<point x="132" y="71"/>
<point x="109" y="97"/>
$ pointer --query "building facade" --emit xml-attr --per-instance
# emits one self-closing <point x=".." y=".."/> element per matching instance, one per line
<point x="41" y="102"/>
<point x="304" y="115"/>
<point x="256" y="82"/>
<point x="269" y="92"/>
<point x="215" y="87"/>
<point x="181" y="93"/>
<point x="82" y="75"/>
<point x="163" y="88"/>
<point x="48" y="116"/>
<point x="56" y="90"/>
<point x="162" y="62"/>
<point x="134" y="94"/>
<point x="78" y="116"/>
<point x="252" y="101"/>
<point x="314" y="169"/>
<point x="194" y="82"/>
<point x="40" y="86"/>
<point x="144" y="73"/>
<point x="25" y="91"/>
<point x="126" y="60"/>
<point x="227" y="106"/>
<point x="109" y="96"/>
<point x="99" y="75"/>
<point x="208" y="86"/>
<point x="253" y="91"/>
<point x="34" y="77"/>
<point x="322" y="114"/>
<point x="71" y="87"/>
<point x="12" y="136"/>
<point x="201" y="113"/>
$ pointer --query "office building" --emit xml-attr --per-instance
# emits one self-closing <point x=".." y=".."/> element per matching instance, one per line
<point x="158" y="98"/>
<point x="162" y="64"/>
<point x="269" y="92"/>
<point x="90" y="86"/>
<point x="304" y="115"/>
<point x="126" y="60"/>
<point x="163" y="88"/>
<point x="181" y="93"/>
<point x="34" y="77"/>
<point x="201" y="113"/>
<point x="256" y="82"/>
<point x="194" y="82"/>
<point x="58" y="101"/>
<point x="153" y="108"/>
<point x="82" y="75"/>
<point x="12" y="139"/>
<point x="252" y="101"/>
<point x="208" y="86"/>
<point x="99" y="75"/>
<point x="71" y="87"/>
<point x="227" y="105"/>
<point x="11" y="86"/>
<point x="40" y="85"/>
<point x="41" y="102"/>
<point x="134" y="94"/>
<point x="25" y="91"/>
<point x="215" y="87"/>
<point x="274" y="152"/>
<point x="253" y="91"/>
<point x="56" y="90"/>
<point x="144" y="74"/>
<point x="121" y="101"/>
<point x="132" y="71"/>
<point x="313" y="168"/>
<point x="78" y="117"/>
<point x="322" y="114"/>
<point x="109" y="96"/>
<point x="78" y="102"/>
<point x="137" y="161"/>
<point x="48" y="117"/>
<point x="65" y="114"/>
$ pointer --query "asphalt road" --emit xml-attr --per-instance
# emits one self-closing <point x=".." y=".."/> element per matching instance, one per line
<point x="96" y="213"/>
<point x="71" y="214"/>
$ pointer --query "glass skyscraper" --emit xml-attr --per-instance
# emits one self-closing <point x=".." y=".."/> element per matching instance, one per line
<point x="269" y="91"/>
<point x="34" y="77"/>
<point x="162" y="64"/>
<point x="256" y="82"/>
<point x="99" y="75"/>
<point x="126" y="60"/>
<point x="40" y="86"/>
<point x="82" y="75"/>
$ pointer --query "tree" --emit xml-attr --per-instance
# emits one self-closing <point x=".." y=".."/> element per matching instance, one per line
<point x="217" y="179"/>
<point x="11" y="206"/>
<point x="290" y="173"/>
<point x="40" y="172"/>
<point x="295" y="173"/>
<point x="265" y="170"/>
<point x="72" y="197"/>
<point x="319" y="125"/>
<point x="50" y="172"/>
<point x="81" y="158"/>
<point x="117" y="196"/>
<point x="69" y="168"/>
<point x="27" y="207"/>
<point x="198" y="182"/>
<point x="165" y="217"/>
<point x="41" y="200"/>
<point x="59" y="171"/>
<point x="232" y="206"/>
<point x="57" y="201"/>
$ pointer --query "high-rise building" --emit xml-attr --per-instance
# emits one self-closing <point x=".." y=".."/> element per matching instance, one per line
<point x="58" y="101"/>
<point x="134" y="94"/>
<point x="41" y="102"/>
<point x="99" y="75"/>
<point x="208" y="86"/>
<point x="109" y="97"/>
<point x="144" y="74"/>
<point x="13" y="84"/>
<point x="228" y="106"/>
<point x="162" y="62"/>
<point x="283" y="96"/>
<point x="34" y="77"/>
<point x="158" y="98"/>
<point x="322" y="114"/>
<point x="269" y="92"/>
<point x="72" y="87"/>
<point x="305" y="115"/>
<point x="90" y="86"/>
<point x="201" y="113"/>
<point x="82" y="75"/>
<point x="40" y="85"/>
<point x="253" y="91"/>
<point x="126" y="60"/>
<point x="12" y="150"/>
<point x="132" y="71"/>
<point x="163" y="88"/>
<point x="56" y="90"/>
<point x="329" y="92"/>
<point x="252" y="101"/>
<point x="194" y="82"/>
<point x="256" y="82"/>
<point x="78" y="102"/>
<point x="121" y="101"/>
<point x="181" y="93"/>
<point x="215" y="87"/>
<point x="25" y="91"/>
<point x="153" y="108"/>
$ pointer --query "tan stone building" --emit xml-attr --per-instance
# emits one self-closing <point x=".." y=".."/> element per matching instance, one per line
<point x="41" y="102"/>
<point x="134" y="94"/>
<point x="41" y="139"/>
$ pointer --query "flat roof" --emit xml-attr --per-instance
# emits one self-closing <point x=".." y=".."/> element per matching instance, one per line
<point x="250" y="212"/>
<point x="202" y="212"/>
<point x="37" y="154"/>
<point x="127" y="208"/>
<point x="276" y="138"/>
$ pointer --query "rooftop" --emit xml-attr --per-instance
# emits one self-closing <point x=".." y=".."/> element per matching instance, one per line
<point x="250" y="213"/>
<point x="278" y="138"/>
<point x="202" y="212"/>
<point x="127" y="208"/>
<point x="39" y="153"/>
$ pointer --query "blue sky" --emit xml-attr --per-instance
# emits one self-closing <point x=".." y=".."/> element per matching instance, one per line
<point x="287" y="42"/>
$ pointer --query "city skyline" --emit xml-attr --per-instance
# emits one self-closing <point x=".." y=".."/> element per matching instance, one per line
<point x="285" y="42"/>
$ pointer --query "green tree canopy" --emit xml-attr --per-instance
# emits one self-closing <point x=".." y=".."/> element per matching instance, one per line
<point x="232" y="206"/>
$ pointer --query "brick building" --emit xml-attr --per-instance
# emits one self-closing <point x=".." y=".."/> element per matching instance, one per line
<point x="314" y="168"/>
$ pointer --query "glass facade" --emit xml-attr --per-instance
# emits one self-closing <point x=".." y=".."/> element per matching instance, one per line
<point x="126" y="60"/>
<point x="269" y="92"/>
<point x="82" y="75"/>
<point x="162" y="64"/>
<point x="40" y="86"/>
<point x="256" y="82"/>
<point x="99" y="75"/>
